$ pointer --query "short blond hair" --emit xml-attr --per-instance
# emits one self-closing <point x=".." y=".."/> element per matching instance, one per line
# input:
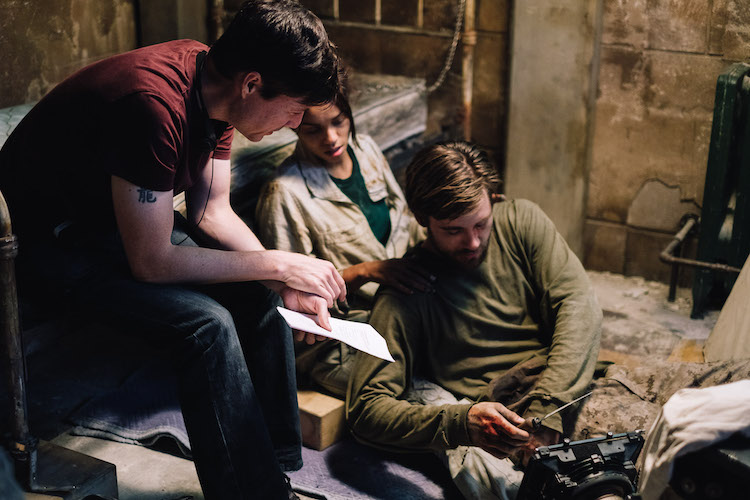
<point x="448" y="180"/>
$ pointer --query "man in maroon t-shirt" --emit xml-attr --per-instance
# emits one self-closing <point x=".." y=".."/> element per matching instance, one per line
<point x="93" y="213"/>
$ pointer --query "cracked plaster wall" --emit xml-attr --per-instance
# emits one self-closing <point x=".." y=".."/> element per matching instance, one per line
<point x="43" y="41"/>
<point x="654" y="109"/>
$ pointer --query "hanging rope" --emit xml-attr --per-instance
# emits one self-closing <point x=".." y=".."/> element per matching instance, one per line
<point x="452" y="51"/>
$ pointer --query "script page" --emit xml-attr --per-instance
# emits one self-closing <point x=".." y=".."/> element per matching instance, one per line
<point x="361" y="336"/>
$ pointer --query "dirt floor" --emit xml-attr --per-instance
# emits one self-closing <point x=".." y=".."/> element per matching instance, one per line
<point x="640" y="326"/>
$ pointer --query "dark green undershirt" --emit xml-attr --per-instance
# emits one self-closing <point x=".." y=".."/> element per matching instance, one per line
<point x="376" y="213"/>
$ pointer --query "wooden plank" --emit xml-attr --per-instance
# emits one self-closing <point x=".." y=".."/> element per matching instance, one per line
<point x="687" y="351"/>
<point x="321" y="419"/>
<point x="620" y="358"/>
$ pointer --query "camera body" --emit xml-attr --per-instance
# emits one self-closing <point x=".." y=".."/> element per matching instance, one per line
<point x="590" y="469"/>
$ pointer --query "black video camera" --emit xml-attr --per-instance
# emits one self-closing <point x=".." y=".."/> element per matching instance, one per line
<point x="591" y="469"/>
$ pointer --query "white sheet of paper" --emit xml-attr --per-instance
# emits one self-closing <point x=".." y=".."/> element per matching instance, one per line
<point x="361" y="336"/>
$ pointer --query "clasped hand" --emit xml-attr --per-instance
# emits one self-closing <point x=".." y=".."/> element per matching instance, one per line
<point x="310" y="286"/>
<point x="308" y="274"/>
<point x="404" y="274"/>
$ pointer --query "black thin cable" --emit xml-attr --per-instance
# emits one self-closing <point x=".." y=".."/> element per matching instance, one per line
<point x="205" y="206"/>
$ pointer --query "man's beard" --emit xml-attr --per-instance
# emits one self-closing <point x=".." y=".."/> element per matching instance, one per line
<point x="460" y="260"/>
<point x="458" y="257"/>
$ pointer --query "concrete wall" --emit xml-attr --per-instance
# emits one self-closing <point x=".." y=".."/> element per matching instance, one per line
<point x="44" y="41"/>
<point x="554" y="52"/>
<point x="659" y="64"/>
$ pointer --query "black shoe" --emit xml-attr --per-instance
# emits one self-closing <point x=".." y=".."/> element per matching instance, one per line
<point x="290" y="491"/>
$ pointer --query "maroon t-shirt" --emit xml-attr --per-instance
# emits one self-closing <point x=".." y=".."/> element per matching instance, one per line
<point x="135" y="115"/>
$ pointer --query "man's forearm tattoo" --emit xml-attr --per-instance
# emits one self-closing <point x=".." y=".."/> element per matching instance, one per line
<point x="146" y="196"/>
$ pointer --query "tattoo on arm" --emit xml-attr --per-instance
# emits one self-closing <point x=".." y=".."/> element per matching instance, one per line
<point x="146" y="196"/>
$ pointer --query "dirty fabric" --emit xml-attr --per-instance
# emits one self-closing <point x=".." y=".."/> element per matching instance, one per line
<point x="623" y="400"/>
<point x="144" y="410"/>
<point x="476" y="473"/>
<point x="348" y="470"/>
<point x="730" y="337"/>
<point x="630" y="399"/>
<point x="691" y="420"/>
<point x="9" y="488"/>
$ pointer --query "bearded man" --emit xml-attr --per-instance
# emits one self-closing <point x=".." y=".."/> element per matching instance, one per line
<point x="511" y="331"/>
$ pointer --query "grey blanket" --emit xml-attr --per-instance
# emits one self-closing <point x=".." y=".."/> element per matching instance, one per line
<point x="142" y="411"/>
<point x="145" y="410"/>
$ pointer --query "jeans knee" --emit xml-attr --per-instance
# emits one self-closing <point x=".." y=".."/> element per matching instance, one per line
<point x="215" y="324"/>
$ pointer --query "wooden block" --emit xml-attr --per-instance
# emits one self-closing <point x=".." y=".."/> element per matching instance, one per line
<point x="687" y="351"/>
<point x="321" y="419"/>
<point x="620" y="358"/>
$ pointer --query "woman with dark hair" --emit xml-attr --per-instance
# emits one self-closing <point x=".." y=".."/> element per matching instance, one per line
<point x="336" y="198"/>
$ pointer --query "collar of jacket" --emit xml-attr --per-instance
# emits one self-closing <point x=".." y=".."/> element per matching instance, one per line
<point x="319" y="183"/>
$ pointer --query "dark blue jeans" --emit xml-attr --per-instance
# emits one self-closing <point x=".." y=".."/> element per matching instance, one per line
<point x="234" y="354"/>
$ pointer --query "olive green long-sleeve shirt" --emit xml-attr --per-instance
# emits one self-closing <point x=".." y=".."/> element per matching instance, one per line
<point x="530" y="297"/>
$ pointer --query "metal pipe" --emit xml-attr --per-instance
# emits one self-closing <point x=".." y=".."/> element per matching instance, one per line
<point x="667" y="256"/>
<point x="469" y="41"/>
<point x="674" y="275"/>
<point x="23" y="446"/>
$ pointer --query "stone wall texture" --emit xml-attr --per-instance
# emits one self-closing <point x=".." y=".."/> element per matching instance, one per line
<point x="44" y="41"/>
<point x="658" y="68"/>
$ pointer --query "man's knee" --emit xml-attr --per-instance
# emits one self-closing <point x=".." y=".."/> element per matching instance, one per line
<point x="214" y="323"/>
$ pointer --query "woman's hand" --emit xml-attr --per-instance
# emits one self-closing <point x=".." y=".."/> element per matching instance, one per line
<point x="403" y="274"/>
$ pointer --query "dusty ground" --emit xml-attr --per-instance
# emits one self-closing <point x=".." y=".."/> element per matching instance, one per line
<point x="640" y="326"/>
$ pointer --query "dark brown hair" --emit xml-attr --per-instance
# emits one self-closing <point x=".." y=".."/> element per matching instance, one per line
<point x="286" y="44"/>
<point x="341" y="100"/>
<point x="448" y="180"/>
